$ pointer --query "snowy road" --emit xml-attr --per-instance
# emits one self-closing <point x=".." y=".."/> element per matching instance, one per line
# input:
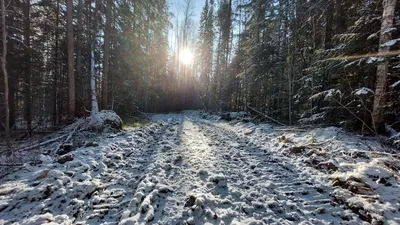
<point x="179" y="169"/>
<point x="218" y="176"/>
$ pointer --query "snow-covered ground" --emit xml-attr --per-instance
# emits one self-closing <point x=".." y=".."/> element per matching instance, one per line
<point x="183" y="169"/>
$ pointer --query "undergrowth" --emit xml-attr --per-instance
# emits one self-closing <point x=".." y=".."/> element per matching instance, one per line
<point x="132" y="123"/>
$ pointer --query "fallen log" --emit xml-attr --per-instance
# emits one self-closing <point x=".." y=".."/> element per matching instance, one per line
<point x="44" y="143"/>
<point x="73" y="132"/>
<point x="69" y="135"/>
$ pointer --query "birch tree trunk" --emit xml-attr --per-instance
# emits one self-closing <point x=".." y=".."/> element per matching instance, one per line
<point x="3" y="67"/>
<point x="71" y="75"/>
<point x="95" y="106"/>
<point x="378" y="113"/>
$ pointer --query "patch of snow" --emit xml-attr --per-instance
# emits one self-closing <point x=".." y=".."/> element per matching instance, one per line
<point x="351" y="63"/>
<point x="387" y="30"/>
<point x="375" y="59"/>
<point x="326" y="94"/>
<point x="363" y="91"/>
<point x="389" y="43"/>
<point x="313" y="118"/>
<point x="372" y="36"/>
<point x="47" y="219"/>
<point x="397" y="83"/>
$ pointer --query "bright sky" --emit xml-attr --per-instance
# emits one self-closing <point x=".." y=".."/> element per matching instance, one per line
<point x="197" y="3"/>
<point x="198" y="6"/>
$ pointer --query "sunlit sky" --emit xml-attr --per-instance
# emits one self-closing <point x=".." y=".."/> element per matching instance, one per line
<point x="198" y="6"/>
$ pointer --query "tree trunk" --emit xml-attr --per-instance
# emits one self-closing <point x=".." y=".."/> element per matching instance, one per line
<point x="71" y="75"/>
<point x="27" y="43"/>
<point x="106" y="65"/>
<point x="12" y="77"/>
<point x="95" y="107"/>
<point x="56" y="68"/>
<point x="94" y="103"/>
<point x="341" y="18"/>
<point x="12" y="100"/>
<point x="3" y="67"/>
<point x="228" y="31"/>
<point x="79" y="40"/>
<point x="378" y="113"/>
<point x="329" y="23"/>
<point x="79" y="75"/>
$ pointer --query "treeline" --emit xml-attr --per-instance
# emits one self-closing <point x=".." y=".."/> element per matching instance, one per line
<point x="54" y="47"/>
<point x="310" y="61"/>
<point x="298" y="61"/>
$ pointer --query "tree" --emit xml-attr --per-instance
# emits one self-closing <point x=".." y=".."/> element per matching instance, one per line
<point x="27" y="77"/>
<point x="106" y="66"/>
<point x="95" y="106"/>
<point x="206" y="50"/>
<point x="4" y="69"/>
<point x="94" y="103"/>
<point x="185" y="70"/>
<point x="80" y="74"/>
<point x="39" y="58"/>
<point x="223" y="52"/>
<point x="302" y="61"/>
<point x="71" y="75"/>
<point x="378" y="113"/>
<point x="56" y="72"/>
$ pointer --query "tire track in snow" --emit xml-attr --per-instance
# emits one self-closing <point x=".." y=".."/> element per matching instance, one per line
<point x="181" y="170"/>
<point x="219" y="177"/>
<point x="253" y="170"/>
<point x="179" y="164"/>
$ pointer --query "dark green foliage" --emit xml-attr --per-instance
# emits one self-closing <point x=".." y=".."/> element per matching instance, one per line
<point x="291" y="61"/>
<point x="298" y="61"/>
<point x="138" y="57"/>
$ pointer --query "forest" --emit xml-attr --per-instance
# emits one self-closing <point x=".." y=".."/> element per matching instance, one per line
<point x="192" y="112"/>
<point x="332" y="62"/>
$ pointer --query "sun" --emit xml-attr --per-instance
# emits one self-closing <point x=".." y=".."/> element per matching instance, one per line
<point x="186" y="56"/>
